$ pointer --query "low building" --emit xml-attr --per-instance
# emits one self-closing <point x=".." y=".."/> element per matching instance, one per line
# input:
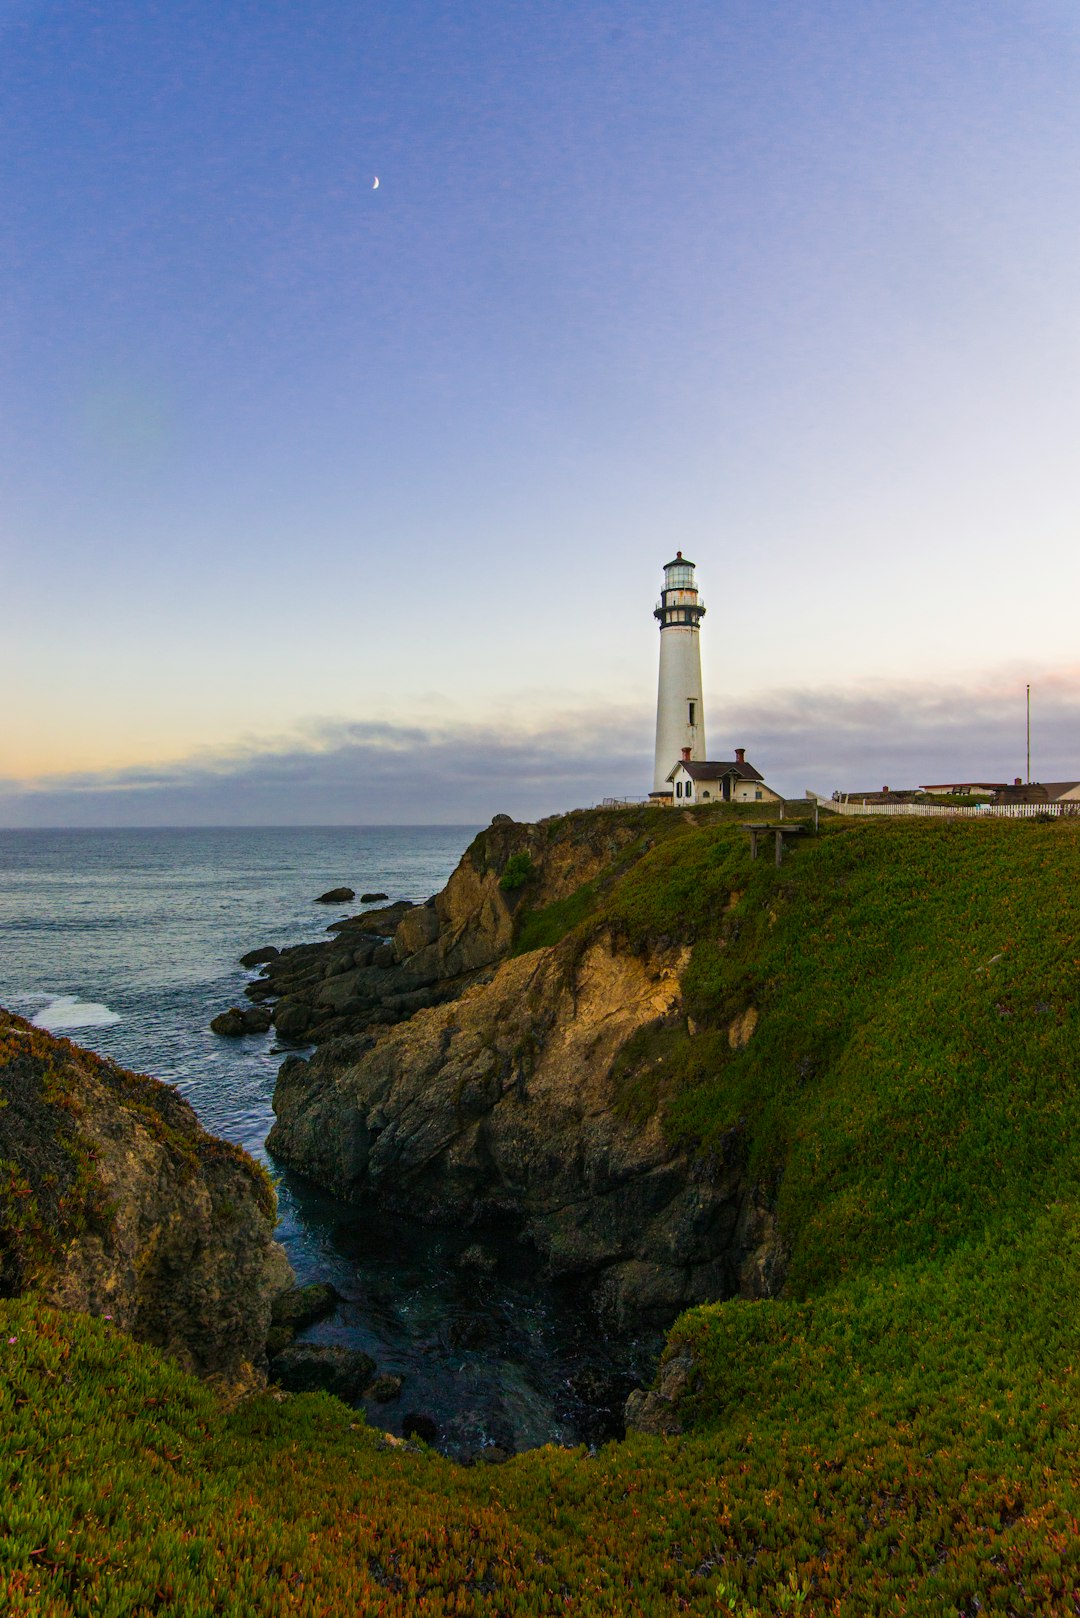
<point x="711" y="781"/>
<point x="964" y="789"/>
<point x="1039" y="792"/>
<point x="886" y="795"/>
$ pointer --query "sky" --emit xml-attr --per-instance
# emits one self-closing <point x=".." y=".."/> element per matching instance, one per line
<point x="322" y="503"/>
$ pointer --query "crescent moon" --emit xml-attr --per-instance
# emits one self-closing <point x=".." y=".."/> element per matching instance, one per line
<point x="375" y="187"/>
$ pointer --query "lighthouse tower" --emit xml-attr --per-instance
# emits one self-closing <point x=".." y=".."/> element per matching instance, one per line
<point x="680" y="712"/>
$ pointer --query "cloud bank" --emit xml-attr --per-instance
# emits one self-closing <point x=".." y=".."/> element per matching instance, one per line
<point x="904" y="735"/>
<point x="352" y="774"/>
<point x="372" y="773"/>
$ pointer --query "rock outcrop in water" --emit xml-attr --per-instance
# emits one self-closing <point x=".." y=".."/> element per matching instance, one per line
<point x="384" y="965"/>
<point x="484" y="1087"/>
<point x="114" y="1201"/>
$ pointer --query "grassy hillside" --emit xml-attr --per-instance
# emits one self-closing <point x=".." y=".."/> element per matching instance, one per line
<point x="913" y="1074"/>
<point x="887" y="1029"/>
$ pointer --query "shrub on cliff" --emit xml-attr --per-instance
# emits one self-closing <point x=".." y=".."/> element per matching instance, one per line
<point x="517" y="872"/>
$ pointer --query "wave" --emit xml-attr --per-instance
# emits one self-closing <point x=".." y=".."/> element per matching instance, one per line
<point x="68" y="1011"/>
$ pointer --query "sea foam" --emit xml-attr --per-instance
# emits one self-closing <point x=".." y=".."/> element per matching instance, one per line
<point x="68" y="1011"/>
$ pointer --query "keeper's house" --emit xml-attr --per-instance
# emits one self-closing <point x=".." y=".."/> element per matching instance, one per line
<point x="736" y="781"/>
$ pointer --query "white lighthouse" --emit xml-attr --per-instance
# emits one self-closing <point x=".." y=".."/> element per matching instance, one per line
<point x="680" y="712"/>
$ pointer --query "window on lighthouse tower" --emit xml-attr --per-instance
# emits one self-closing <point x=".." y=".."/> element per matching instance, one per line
<point x="691" y="708"/>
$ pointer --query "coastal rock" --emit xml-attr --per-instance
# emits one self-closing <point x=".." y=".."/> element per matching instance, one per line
<point x="292" y="1018"/>
<point x="502" y="1104"/>
<point x="338" y="990"/>
<point x="761" y="1253"/>
<point x="295" y="1309"/>
<point x="415" y="931"/>
<point x="415" y="1425"/>
<point x="302" y="1306"/>
<point x="656" y="1410"/>
<point x="259" y="957"/>
<point x="458" y="1083"/>
<point x="381" y="922"/>
<point x="478" y="1257"/>
<point x="335" y="896"/>
<point x="125" y="1206"/>
<point x="277" y="1339"/>
<point x="229" y="1023"/>
<point x="602" y="1395"/>
<point x="470" y="1330"/>
<point x="323" y="1368"/>
<point x="385" y="1389"/>
<point x="372" y="898"/>
<point x="412" y="956"/>
<point x="240" y="1020"/>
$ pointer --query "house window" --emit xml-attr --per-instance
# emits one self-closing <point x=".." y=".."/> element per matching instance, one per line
<point x="689" y="789"/>
<point x="706" y="793"/>
<point x="757" y="794"/>
<point x="691" y="709"/>
<point x="678" y="789"/>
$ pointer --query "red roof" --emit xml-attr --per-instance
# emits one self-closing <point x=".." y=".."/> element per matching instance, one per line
<point x="716" y="772"/>
<point x="965" y="786"/>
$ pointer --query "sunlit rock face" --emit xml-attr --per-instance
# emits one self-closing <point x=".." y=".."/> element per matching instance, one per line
<point x="492" y="1092"/>
<point x="384" y="965"/>
<point x="118" y="1203"/>
<point x="503" y="1105"/>
<point x="500" y="1100"/>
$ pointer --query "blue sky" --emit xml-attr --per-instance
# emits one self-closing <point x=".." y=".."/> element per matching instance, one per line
<point x="304" y="481"/>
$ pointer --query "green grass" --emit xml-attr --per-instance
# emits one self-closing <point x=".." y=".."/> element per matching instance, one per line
<point x="518" y="869"/>
<point x="899" y="1434"/>
<point x="915" y="1434"/>
<point x="657" y="829"/>
<point x="912" y="1074"/>
<point x="539" y="928"/>
<point x="905" y="1443"/>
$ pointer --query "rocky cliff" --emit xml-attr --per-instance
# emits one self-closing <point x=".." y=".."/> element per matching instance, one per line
<point x="114" y="1201"/>
<point x="383" y="965"/>
<point x="500" y="1098"/>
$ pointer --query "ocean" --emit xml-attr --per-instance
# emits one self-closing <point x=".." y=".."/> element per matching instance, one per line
<point x="128" y="941"/>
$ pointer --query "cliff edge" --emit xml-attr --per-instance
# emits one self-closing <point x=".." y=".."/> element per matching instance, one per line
<point x="114" y="1201"/>
<point x="502" y="1099"/>
<point x="382" y="966"/>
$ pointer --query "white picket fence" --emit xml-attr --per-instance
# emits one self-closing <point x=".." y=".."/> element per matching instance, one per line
<point x="841" y="806"/>
<point x="1003" y="811"/>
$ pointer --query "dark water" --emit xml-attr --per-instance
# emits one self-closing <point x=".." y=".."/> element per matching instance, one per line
<point x="127" y="941"/>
